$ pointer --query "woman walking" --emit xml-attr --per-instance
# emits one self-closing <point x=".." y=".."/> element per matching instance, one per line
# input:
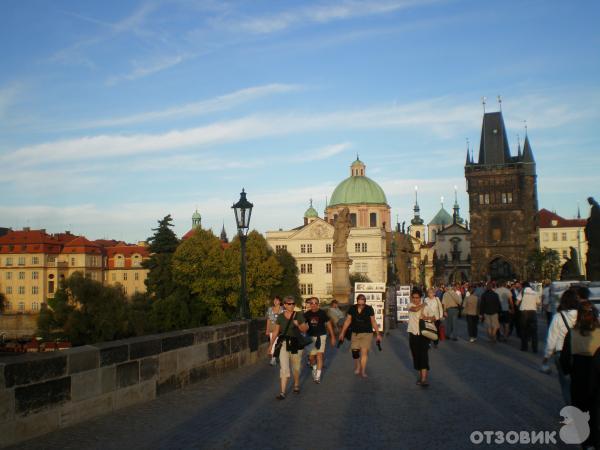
<point x="288" y="327"/>
<point x="272" y="314"/>
<point x="471" y="311"/>
<point x="419" y="344"/>
<point x="362" y="319"/>
<point x="436" y="306"/>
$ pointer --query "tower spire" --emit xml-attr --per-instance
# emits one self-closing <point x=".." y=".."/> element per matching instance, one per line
<point x="468" y="160"/>
<point x="578" y="211"/>
<point x="500" y="102"/>
<point x="456" y="208"/>
<point x="416" y="220"/>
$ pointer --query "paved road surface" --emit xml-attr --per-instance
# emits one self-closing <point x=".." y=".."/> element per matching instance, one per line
<point x="474" y="386"/>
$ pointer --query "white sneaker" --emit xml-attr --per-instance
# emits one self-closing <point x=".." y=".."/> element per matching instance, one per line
<point x="273" y="361"/>
<point x="314" y="373"/>
<point x="545" y="368"/>
<point x="471" y="339"/>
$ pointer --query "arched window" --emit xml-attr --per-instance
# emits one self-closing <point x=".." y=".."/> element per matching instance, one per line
<point x="418" y="235"/>
<point x="373" y="219"/>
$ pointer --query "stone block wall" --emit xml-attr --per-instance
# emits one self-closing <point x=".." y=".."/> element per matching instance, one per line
<point x="42" y="392"/>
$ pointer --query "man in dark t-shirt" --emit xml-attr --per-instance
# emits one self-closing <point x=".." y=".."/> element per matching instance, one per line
<point x="319" y="325"/>
<point x="489" y="309"/>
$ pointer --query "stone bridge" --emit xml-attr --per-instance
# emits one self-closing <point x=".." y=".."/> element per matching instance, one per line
<point x="212" y="388"/>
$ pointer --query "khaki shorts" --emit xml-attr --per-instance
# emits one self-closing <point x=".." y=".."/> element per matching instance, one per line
<point x="313" y="350"/>
<point x="361" y="341"/>
<point x="491" y="320"/>
<point x="286" y="358"/>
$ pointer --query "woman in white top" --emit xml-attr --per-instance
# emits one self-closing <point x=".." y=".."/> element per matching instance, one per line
<point x="419" y="345"/>
<point x="434" y="308"/>
<point x="566" y="316"/>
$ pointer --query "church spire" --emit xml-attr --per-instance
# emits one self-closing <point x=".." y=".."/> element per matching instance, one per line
<point x="224" y="234"/>
<point x="527" y="152"/>
<point x="416" y="220"/>
<point x="196" y="219"/>
<point x="468" y="159"/>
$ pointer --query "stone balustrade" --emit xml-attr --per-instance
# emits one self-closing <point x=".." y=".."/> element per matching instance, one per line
<point x="42" y="392"/>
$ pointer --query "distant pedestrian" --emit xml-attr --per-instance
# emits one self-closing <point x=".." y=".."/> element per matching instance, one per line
<point x="336" y="315"/>
<point x="585" y="343"/>
<point x="319" y="325"/>
<point x="547" y="305"/>
<point x="528" y="307"/>
<point x="506" y="308"/>
<point x="490" y="309"/>
<point x="471" y="310"/>
<point x="563" y="321"/>
<point x="419" y="345"/>
<point x="452" y="302"/>
<point x="272" y="314"/>
<point x="289" y="325"/>
<point x="517" y="293"/>
<point x="361" y="317"/>
<point x="438" y="311"/>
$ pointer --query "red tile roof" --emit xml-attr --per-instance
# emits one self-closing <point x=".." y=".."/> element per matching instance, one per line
<point x="547" y="217"/>
<point x="29" y="241"/>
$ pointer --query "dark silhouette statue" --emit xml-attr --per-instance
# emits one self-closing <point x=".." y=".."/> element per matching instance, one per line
<point x="592" y="235"/>
<point x="570" y="269"/>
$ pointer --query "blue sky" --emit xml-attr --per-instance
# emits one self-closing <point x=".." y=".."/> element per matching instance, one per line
<point x="114" y="114"/>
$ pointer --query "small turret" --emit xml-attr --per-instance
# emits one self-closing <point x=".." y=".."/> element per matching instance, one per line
<point x="196" y="220"/>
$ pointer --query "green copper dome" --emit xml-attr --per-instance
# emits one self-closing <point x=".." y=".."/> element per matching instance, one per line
<point x="311" y="212"/>
<point x="443" y="217"/>
<point x="358" y="189"/>
<point x="196" y="215"/>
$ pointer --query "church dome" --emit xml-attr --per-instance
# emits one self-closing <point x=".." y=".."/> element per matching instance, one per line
<point x="196" y="215"/>
<point x="443" y="217"/>
<point x="358" y="189"/>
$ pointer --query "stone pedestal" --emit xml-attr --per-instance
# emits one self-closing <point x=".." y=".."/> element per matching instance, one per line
<point x="340" y="271"/>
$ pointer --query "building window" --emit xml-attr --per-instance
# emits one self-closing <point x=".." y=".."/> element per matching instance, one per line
<point x="136" y="276"/>
<point x="302" y="268"/>
<point x="309" y="268"/>
<point x="9" y="275"/>
<point x="136" y="261"/>
<point x="353" y="219"/>
<point x="21" y="260"/>
<point x="484" y="199"/>
<point x="50" y="287"/>
<point x="308" y="248"/>
<point x="8" y="306"/>
<point x="302" y="248"/>
<point x="360" y="247"/>
<point x="119" y="261"/>
<point x="357" y="247"/>
<point x="35" y="260"/>
<point x="21" y="290"/>
<point x="555" y="236"/>
<point x="418" y="235"/>
<point x="279" y="248"/>
<point x="51" y="259"/>
<point x="21" y="275"/>
<point x="35" y="275"/>
<point x="124" y="276"/>
<point x="9" y="289"/>
<point x="309" y="289"/>
<point x="327" y="248"/>
<point x="565" y="254"/>
<point x="9" y="261"/>
<point x="35" y="306"/>
<point x="328" y="268"/>
<point x="563" y="236"/>
<point x="21" y="306"/>
<point x="373" y="219"/>
<point x="34" y="290"/>
<point x="72" y="261"/>
<point x="125" y="289"/>
<point x="363" y="247"/>
<point x="302" y="289"/>
<point x="545" y="237"/>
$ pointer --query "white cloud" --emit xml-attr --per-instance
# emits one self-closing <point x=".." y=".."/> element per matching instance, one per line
<point x="203" y="107"/>
<point x="8" y="96"/>
<point x="145" y="68"/>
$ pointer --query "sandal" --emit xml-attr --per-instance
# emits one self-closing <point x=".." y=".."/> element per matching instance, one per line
<point x="281" y="396"/>
<point x="296" y="389"/>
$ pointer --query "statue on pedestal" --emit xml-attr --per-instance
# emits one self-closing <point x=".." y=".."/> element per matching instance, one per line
<point x="570" y="269"/>
<point x="340" y="262"/>
<point x="592" y="235"/>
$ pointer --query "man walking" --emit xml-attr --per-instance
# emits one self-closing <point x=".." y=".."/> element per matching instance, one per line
<point x="451" y="301"/>
<point x="318" y="327"/>
<point x="507" y="306"/>
<point x="490" y="308"/>
<point x="528" y="305"/>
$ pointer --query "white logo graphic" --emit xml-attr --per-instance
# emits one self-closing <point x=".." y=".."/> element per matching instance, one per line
<point x="576" y="428"/>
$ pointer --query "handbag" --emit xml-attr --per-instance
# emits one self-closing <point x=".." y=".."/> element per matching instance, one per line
<point x="304" y="341"/>
<point x="428" y="330"/>
<point x="281" y="338"/>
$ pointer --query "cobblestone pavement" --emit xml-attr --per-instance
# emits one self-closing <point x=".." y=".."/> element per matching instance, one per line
<point x="474" y="386"/>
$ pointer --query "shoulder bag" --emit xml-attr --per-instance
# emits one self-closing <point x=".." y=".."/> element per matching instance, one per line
<point x="428" y="329"/>
<point x="281" y="338"/>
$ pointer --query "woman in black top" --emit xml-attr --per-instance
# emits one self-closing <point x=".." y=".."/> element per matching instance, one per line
<point x="362" y="319"/>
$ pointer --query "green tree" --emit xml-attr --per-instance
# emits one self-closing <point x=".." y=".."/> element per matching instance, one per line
<point x="289" y="285"/>
<point x="201" y="268"/>
<point x="543" y="264"/>
<point x="356" y="277"/>
<point x="263" y="272"/>
<point x="162" y="245"/>
<point x="86" y="311"/>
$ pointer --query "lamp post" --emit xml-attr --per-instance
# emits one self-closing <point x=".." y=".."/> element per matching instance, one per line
<point x="243" y="211"/>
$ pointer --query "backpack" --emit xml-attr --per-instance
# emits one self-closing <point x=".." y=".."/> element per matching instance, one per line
<point x="565" y="359"/>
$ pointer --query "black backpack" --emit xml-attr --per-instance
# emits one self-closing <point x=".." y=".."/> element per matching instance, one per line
<point x="566" y="360"/>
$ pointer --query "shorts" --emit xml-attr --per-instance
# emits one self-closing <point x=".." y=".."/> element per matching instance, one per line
<point x="314" y="350"/>
<point x="491" y="320"/>
<point x="503" y="317"/>
<point x="361" y="341"/>
<point x="286" y="358"/>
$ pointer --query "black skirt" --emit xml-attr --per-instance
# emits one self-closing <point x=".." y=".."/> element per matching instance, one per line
<point x="419" y="348"/>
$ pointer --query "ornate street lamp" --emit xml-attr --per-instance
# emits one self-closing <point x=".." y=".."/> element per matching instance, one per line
<point x="243" y="211"/>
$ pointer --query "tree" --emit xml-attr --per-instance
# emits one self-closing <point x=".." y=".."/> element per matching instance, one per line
<point x="357" y="277"/>
<point x="205" y="278"/>
<point x="162" y="245"/>
<point x="263" y="272"/>
<point x="2" y="302"/>
<point x="543" y="264"/>
<point x="289" y="285"/>
<point x="86" y="312"/>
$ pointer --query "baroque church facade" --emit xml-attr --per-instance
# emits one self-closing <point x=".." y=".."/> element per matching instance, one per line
<point x="503" y="204"/>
